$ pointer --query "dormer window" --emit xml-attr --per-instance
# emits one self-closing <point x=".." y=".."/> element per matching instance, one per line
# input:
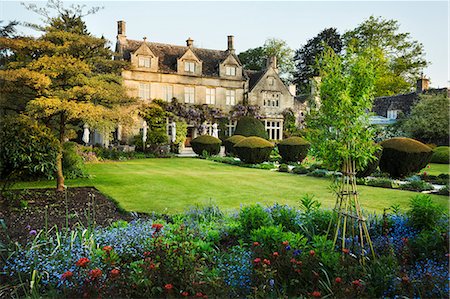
<point x="270" y="81"/>
<point x="189" y="66"/>
<point x="393" y="114"/>
<point x="144" y="62"/>
<point x="230" y="70"/>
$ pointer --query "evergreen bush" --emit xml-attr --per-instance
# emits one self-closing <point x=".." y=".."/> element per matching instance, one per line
<point x="441" y="155"/>
<point x="283" y="168"/>
<point x="249" y="126"/>
<point x="73" y="165"/>
<point x="253" y="150"/>
<point x="230" y="142"/>
<point x="206" y="143"/>
<point x="404" y="156"/>
<point x="294" y="149"/>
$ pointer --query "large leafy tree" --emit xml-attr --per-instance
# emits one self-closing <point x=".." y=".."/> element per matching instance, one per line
<point x="64" y="77"/>
<point x="402" y="58"/>
<point x="306" y="57"/>
<point x="256" y="58"/>
<point x="429" y="119"/>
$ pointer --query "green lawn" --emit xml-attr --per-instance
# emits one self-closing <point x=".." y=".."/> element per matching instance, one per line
<point x="436" y="169"/>
<point x="171" y="185"/>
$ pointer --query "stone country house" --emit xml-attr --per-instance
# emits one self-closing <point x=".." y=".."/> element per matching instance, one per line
<point x="203" y="76"/>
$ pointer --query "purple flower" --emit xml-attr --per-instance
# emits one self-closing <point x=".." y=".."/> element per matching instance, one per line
<point x="33" y="232"/>
<point x="271" y="282"/>
<point x="297" y="252"/>
<point x="288" y="247"/>
<point x="28" y="227"/>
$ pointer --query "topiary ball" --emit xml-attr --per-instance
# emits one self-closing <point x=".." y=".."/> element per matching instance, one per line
<point x="230" y="142"/>
<point x="253" y="150"/>
<point x="249" y="126"/>
<point x="293" y="149"/>
<point x="206" y="143"/>
<point x="404" y="156"/>
<point x="441" y="155"/>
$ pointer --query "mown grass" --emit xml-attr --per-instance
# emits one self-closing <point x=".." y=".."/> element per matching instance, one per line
<point x="436" y="169"/>
<point x="172" y="185"/>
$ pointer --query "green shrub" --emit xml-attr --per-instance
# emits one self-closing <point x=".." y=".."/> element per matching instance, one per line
<point x="318" y="173"/>
<point x="283" y="168"/>
<point x="424" y="214"/>
<point x="417" y="186"/>
<point x="249" y="126"/>
<point x="441" y="155"/>
<point x="73" y="165"/>
<point x="300" y="170"/>
<point x="404" y="156"/>
<point x="285" y="216"/>
<point x="371" y="166"/>
<point x="253" y="150"/>
<point x="272" y="237"/>
<point x="229" y="144"/>
<point x="207" y="143"/>
<point x="28" y="150"/>
<point x="294" y="149"/>
<point x="378" y="182"/>
<point x="253" y="217"/>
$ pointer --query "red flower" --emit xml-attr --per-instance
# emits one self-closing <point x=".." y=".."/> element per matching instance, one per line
<point x="405" y="240"/>
<point x="152" y="266"/>
<point x="293" y="260"/>
<point x="107" y="249"/>
<point x="338" y="280"/>
<point x="405" y="279"/>
<point x="257" y="260"/>
<point x="114" y="273"/>
<point x="157" y="226"/>
<point x="185" y="294"/>
<point x="66" y="275"/>
<point x="346" y="250"/>
<point x="256" y="244"/>
<point x="95" y="273"/>
<point x="275" y="254"/>
<point x="266" y="261"/>
<point x="312" y="253"/>
<point x="82" y="262"/>
<point x="285" y="243"/>
<point x="147" y="253"/>
<point x="168" y="286"/>
<point x="356" y="283"/>
<point x="425" y="173"/>
<point x="316" y="294"/>
<point x="199" y="294"/>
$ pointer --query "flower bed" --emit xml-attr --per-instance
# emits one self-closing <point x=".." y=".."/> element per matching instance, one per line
<point x="277" y="251"/>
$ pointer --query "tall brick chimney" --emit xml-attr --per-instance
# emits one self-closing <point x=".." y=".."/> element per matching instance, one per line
<point x="121" y="28"/>
<point x="230" y="43"/>
<point x="121" y="40"/>
<point x="422" y="84"/>
<point x="272" y="62"/>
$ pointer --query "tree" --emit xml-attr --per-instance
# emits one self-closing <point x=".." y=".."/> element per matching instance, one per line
<point x="256" y="58"/>
<point x="429" y="119"/>
<point x="306" y="57"/>
<point x="404" y="56"/>
<point x="340" y="135"/>
<point x="63" y="77"/>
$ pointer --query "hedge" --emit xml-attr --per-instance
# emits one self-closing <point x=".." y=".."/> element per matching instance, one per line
<point x="206" y="143"/>
<point x="249" y="126"/>
<point x="230" y="142"/>
<point x="441" y="155"/>
<point x="253" y="150"/>
<point x="294" y="149"/>
<point x="404" y="156"/>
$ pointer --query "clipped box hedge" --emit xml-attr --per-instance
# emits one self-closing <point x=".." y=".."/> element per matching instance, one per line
<point x="441" y="155"/>
<point x="249" y="126"/>
<point x="404" y="156"/>
<point x="294" y="149"/>
<point x="253" y="150"/>
<point x="206" y="143"/>
<point x="230" y="142"/>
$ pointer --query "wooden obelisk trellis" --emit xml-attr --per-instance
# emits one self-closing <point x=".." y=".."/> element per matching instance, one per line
<point x="348" y="220"/>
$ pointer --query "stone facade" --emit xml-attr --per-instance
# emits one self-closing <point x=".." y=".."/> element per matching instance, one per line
<point x="203" y="76"/>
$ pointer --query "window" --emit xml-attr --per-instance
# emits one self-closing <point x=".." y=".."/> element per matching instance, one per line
<point x="231" y="126"/>
<point x="144" y="62"/>
<point x="273" y="129"/>
<point x="210" y="96"/>
<point x="230" y="97"/>
<point x="270" y="81"/>
<point x="271" y="99"/>
<point x="230" y="71"/>
<point x="392" y="114"/>
<point x="167" y="93"/>
<point x="189" y="66"/>
<point x="189" y="95"/>
<point x="144" y="91"/>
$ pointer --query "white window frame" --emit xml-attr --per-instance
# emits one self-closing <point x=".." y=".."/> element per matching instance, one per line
<point x="210" y="96"/>
<point x="144" y="91"/>
<point x="230" y="95"/>
<point x="230" y="70"/>
<point x="189" y="66"/>
<point x="392" y="114"/>
<point x="144" y="61"/>
<point x="231" y="126"/>
<point x="271" y="99"/>
<point x="274" y="129"/>
<point x="167" y="92"/>
<point x="189" y="94"/>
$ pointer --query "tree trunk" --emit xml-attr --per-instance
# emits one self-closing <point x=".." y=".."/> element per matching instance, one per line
<point x="59" y="167"/>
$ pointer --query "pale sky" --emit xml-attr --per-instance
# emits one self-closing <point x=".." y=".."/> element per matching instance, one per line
<point x="252" y="22"/>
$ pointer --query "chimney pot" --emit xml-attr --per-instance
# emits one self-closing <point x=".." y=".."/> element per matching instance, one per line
<point x="230" y="43"/>
<point x="422" y="84"/>
<point x="121" y="28"/>
<point x="189" y="42"/>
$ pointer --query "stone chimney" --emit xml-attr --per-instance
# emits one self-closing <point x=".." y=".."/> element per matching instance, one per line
<point x="272" y="62"/>
<point x="230" y="43"/>
<point x="121" y="40"/>
<point x="422" y="84"/>
<point x="121" y="28"/>
<point x="292" y="89"/>
<point x="190" y="42"/>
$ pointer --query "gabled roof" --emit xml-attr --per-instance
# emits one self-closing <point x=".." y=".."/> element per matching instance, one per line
<point x="168" y="55"/>
<point x="254" y="77"/>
